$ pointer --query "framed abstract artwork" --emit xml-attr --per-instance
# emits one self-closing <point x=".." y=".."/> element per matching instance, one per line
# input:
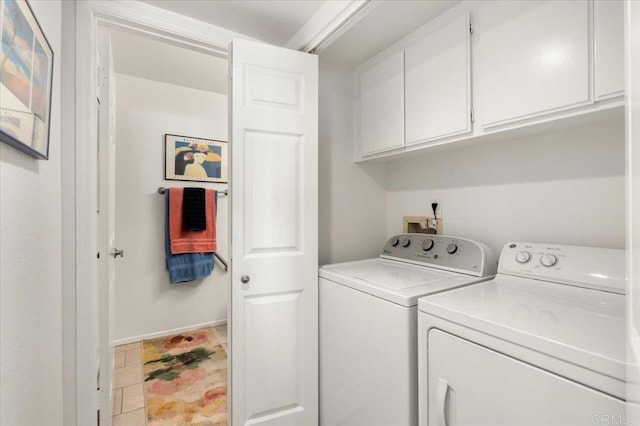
<point x="195" y="159"/>
<point x="26" y="76"/>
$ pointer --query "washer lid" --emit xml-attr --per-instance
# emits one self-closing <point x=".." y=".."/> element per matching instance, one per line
<point x="395" y="281"/>
<point x="582" y="326"/>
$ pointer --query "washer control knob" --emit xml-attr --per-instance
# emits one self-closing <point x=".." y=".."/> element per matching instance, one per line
<point x="523" y="257"/>
<point x="406" y="242"/>
<point x="395" y="241"/>
<point x="427" y="244"/>
<point x="452" y="248"/>
<point x="548" y="260"/>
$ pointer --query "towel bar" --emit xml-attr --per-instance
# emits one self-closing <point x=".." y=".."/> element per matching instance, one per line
<point x="162" y="189"/>
<point x="221" y="259"/>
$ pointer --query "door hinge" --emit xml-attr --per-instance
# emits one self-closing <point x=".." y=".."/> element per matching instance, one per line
<point x="471" y="27"/>
<point x="103" y="76"/>
<point x="472" y="117"/>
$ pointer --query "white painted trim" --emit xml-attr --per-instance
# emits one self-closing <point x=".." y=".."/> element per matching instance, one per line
<point x="68" y="148"/>
<point x="168" y="332"/>
<point x="631" y="34"/>
<point x="330" y="18"/>
<point x="86" y="246"/>
<point x="161" y="23"/>
<point x="153" y="21"/>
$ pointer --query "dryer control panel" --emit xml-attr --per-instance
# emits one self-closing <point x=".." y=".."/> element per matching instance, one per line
<point x="588" y="267"/>
<point x="442" y="252"/>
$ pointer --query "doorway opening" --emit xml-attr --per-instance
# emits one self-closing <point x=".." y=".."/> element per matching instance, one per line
<point x="167" y="340"/>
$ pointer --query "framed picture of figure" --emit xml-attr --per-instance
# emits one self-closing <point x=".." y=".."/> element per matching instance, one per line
<point x="195" y="159"/>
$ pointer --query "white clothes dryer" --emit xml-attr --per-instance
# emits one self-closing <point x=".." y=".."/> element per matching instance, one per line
<point x="368" y="324"/>
<point x="542" y="343"/>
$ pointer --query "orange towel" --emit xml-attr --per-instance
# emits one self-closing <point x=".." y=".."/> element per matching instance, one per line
<point x="183" y="241"/>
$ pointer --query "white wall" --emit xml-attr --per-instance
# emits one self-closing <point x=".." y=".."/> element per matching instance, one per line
<point x="565" y="187"/>
<point x="145" y="301"/>
<point x="352" y="205"/>
<point x="30" y="266"/>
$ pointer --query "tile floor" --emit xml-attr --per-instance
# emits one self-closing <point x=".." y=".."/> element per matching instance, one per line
<point x="128" y="397"/>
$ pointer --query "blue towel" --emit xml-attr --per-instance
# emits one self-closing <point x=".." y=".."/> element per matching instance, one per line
<point x="187" y="266"/>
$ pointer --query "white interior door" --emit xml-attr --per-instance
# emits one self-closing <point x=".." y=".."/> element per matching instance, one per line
<point x="274" y="290"/>
<point x="106" y="224"/>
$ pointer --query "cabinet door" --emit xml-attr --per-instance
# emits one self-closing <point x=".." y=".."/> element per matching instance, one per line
<point x="472" y="385"/>
<point x="437" y="82"/>
<point x="382" y="106"/>
<point x="609" y="48"/>
<point x="533" y="57"/>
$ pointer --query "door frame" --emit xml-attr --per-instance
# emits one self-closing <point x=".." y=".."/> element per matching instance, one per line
<point x="158" y="23"/>
<point x="80" y="396"/>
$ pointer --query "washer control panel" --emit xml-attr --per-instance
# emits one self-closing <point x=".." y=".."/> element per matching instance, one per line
<point x="588" y="267"/>
<point x="442" y="252"/>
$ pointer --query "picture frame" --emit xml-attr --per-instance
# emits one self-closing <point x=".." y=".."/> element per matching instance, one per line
<point x="26" y="79"/>
<point x="195" y="159"/>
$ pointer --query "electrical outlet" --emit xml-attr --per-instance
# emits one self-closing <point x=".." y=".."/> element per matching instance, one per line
<point x="438" y="225"/>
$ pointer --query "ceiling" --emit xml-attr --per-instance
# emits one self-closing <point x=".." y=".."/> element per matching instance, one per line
<point x="143" y="56"/>
<point x="272" y="21"/>
<point x="384" y="23"/>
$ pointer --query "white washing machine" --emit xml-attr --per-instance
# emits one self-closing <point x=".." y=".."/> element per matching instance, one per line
<point x="543" y="343"/>
<point x="368" y="325"/>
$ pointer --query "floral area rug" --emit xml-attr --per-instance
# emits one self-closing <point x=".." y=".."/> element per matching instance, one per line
<point x="185" y="380"/>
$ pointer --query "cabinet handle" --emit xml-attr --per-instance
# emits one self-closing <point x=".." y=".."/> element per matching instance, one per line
<point x="442" y="388"/>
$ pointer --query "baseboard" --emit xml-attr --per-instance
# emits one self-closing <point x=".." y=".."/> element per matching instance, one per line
<point x="166" y="332"/>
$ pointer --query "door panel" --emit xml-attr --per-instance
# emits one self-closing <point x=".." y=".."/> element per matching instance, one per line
<point x="609" y="48"/>
<point x="438" y="83"/>
<point x="281" y="212"/>
<point x="533" y="57"/>
<point x="382" y="106"/>
<point x="473" y="385"/>
<point x="279" y="365"/>
<point x="272" y="87"/>
<point x="274" y="315"/>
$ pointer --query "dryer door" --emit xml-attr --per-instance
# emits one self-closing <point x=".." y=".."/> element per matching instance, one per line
<point x="472" y="385"/>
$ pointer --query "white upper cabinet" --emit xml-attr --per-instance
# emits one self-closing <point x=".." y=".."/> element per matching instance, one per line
<point x="526" y="63"/>
<point x="382" y="105"/>
<point x="438" y="83"/>
<point x="533" y="58"/>
<point x="609" y="48"/>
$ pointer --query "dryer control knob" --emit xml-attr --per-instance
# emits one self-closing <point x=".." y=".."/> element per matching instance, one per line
<point x="452" y="248"/>
<point x="406" y="242"/>
<point x="523" y="257"/>
<point x="548" y="260"/>
<point x="427" y="244"/>
<point x="395" y="241"/>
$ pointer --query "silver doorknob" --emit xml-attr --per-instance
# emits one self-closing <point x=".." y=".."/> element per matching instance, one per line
<point x="115" y="253"/>
<point x="244" y="279"/>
